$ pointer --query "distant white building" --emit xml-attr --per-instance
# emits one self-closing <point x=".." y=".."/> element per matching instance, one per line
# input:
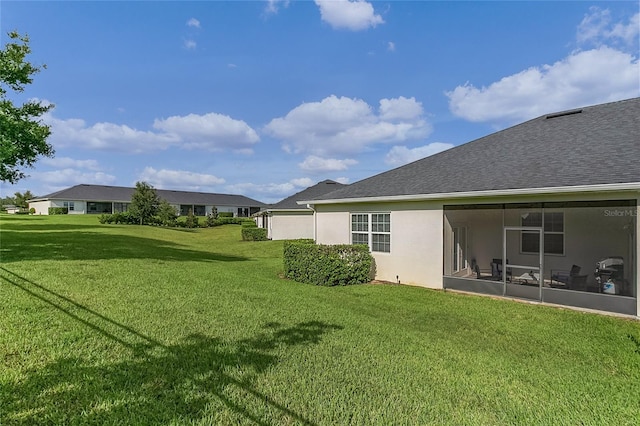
<point x="286" y="220"/>
<point x="11" y="209"/>
<point x="97" y="199"/>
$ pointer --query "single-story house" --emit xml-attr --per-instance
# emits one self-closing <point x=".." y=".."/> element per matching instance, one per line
<point x="287" y="220"/>
<point x="97" y="199"/>
<point x="12" y="209"/>
<point x="546" y="210"/>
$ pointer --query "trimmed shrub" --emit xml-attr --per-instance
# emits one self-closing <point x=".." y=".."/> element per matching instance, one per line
<point x="210" y="220"/>
<point x="227" y="221"/>
<point x="105" y="218"/>
<point x="58" y="210"/>
<point x="254" y="234"/>
<point x="248" y="223"/>
<point x="326" y="265"/>
<point x="191" y="221"/>
<point x="118" y="218"/>
<point x="32" y="210"/>
<point x="225" y="214"/>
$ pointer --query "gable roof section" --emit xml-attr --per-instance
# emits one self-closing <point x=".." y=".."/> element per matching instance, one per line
<point x="123" y="194"/>
<point x="319" y="189"/>
<point x="596" y="145"/>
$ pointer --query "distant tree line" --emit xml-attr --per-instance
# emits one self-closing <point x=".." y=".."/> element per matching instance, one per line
<point x="19" y="199"/>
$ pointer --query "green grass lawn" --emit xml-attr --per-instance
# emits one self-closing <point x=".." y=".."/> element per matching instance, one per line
<point x="116" y="324"/>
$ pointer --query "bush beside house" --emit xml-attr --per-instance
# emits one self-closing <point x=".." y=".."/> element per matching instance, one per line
<point x="58" y="210"/>
<point x="327" y="265"/>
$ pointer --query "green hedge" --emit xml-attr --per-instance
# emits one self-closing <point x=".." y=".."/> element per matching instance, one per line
<point x="254" y="234"/>
<point x="225" y="214"/>
<point x="248" y="223"/>
<point x="58" y="210"/>
<point x="118" y="218"/>
<point x="232" y="221"/>
<point x="326" y="265"/>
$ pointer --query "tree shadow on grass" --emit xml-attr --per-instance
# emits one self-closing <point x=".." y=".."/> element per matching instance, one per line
<point x="78" y="245"/>
<point x="202" y="377"/>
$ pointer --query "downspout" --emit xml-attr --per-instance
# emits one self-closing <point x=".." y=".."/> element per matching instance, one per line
<point x="315" y="222"/>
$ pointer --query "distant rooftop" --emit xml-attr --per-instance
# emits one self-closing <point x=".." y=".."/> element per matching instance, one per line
<point x="123" y="194"/>
<point x="321" y="188"/>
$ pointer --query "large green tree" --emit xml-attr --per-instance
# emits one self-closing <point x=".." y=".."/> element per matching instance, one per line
<point x="144" y="202"/>
<point x="23" y="136"/>
<point x="22" y="200"/>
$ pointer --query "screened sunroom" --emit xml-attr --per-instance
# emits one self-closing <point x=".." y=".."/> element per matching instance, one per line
<point x="578" y="253"/>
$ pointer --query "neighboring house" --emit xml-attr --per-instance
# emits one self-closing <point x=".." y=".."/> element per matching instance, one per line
<point x="96" y="199"/>
<point x="288" y="220"/>
<point x="478" y="216"/>
<point x="11" y="209"/>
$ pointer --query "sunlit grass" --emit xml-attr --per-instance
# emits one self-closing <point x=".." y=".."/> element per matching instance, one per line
<point x="116" y="324"/>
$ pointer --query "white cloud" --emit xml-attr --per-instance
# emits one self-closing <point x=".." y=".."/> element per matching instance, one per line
<point x="597" y="28"/>
<point x="583" y="78"/>
<point x="400" y="109"/>
<point x="179" y="179"/>
<point x="105" y="136"/>
<point x="342" y="180"/>
<point x="400" y="155"/>
<point x="344" y="125"/>
<point x="270" y="192"/>
<point x="193" y="22"/>
<point x="70" y="177"/>
<point x="315" y="164"/>
<point x="190" y="44"/>
<point x="303" y="182"/>
<point x="70" y="163"/>
<point x="391" y="46"/>
<point x="273" y="6"/>
<point x="354" y="15"/>
<point x="210" y="131"/>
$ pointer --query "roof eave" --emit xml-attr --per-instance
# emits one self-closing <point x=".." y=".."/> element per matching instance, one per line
<point x="303" y="209"/>
<point x="630" y="186"/>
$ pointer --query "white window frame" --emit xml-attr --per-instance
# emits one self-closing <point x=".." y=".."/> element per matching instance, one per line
<point x="545" y="233"/>
<point x="70" y="205"/>
<point x="364" y="230"/>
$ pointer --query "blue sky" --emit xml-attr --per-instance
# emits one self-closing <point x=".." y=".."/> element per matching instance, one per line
<point x="266" y="98"/>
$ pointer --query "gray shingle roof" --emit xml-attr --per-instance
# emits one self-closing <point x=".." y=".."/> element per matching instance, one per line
<point x="593" y="145"/>
<point x="321" y="188"/>
<point x="123" y="194"/>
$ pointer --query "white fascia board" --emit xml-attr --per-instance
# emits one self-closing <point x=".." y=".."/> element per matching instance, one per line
<point x="632" y="186"/>
<point x="288" y="210"/>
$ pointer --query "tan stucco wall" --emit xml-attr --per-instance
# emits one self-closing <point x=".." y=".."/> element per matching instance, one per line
<point x="416" y="239"/>
<point x="42" y="207"/>
<point x="291" y="225"/>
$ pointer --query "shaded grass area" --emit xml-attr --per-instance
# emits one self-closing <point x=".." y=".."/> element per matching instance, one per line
<point x="123" y="324"/>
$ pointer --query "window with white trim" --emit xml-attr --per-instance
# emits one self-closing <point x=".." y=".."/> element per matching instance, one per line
<point x="70" y="205"/>
<point x="372" y="229"/>
<point x="553" y="228"/>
